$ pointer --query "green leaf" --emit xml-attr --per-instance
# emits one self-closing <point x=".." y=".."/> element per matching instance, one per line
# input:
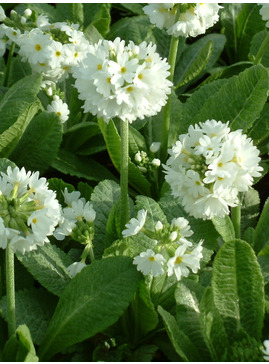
<point x="256" y="42"/>
<point x="136" y="29"/>
<point x="113" y="143"/>
<point x="19" y="70"/>
<point x="20" y="346"/>
<point x="92" y="34"/>
<point x="39" y="144"/>
<point x="58" y="185"/>
<point x="76" y="14"/>
<point x="188" y="295"/>
<point x="243" y="97"/>
<point x="81" y="167"/>
<point x="154" y="211"/>
<point x="212" y="327"/>
<point x="224" y="227"/>
<point x="93" y="301"/>
<point x="85" y="190"/>
<point x="250" y="209"/>
<point x="103" y="197"/>
<point x="4" y="163"/>
<point x="98" y="15"/>
<point x="238" y="289"/>
<point x="18" y="98"/>
<point x="134" y="8"/>
<point x="144" y="353"/>
<point x="10" y="137"/>
<point x="182" y="344"/>
<point x="34" y="307"/>
<point x="79" y="134"/>
<point x="195" y="65"/>
<point x="263" y="259"/>
<point x="260" y="130"/>
<point x="262" y="229"/>
<point x="48" y="265"/>
<point x="136" y="141"/>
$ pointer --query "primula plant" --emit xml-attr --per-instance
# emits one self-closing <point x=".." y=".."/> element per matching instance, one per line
<point x="134" y="213"/>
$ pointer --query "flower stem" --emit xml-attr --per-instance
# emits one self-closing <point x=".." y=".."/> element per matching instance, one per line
<point x="10" y="288"/>
<point x="261" y="50"/>
<point x="124" y="203"/>
<point x="236" y="219"/>
<point x="10" y="55"/>
<point x="167" y="108"/>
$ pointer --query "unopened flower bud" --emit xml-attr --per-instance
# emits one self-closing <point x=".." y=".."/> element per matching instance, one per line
<point x="156" y="162"/>
<point x="2" y="14"/>
<point x="155" y="146"/>
<point x="143" y="169"/>
<point x="49" y="91"/>
<point x="23" y="20"/>
<point x="27" y="12"/>
<point x="158" y="226"/>
<point x="138" y="157"/>
<point x="173" y="236"/>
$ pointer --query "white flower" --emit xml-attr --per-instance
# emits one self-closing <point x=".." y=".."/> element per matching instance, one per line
<point x="193" y="19"/>
<point x="184" y="260"/>
<point x="266" y="350"/>
<point x="29" y="211"/>
<point x="2" y="14"/>
<point x="154" y="147"/>
<point x="75" y="268"/>
<point x="128" y="82"/>
<point x="264" y="12"/>
<point x="60" y="108"/>
<point x="209" y="166"/>
<point x="149" y="263"/>
<point x="135" y="225"/>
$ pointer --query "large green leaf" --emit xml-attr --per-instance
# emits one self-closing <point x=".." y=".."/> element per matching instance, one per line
<point x="212" y="327"/>
<point x="260" y="130"/>
<point x="250" y="209"/>
<point x="18" y="98"/>
<point x="10" y="137"/>
<point x="256" y="43"/>
<point x="48" y="265"/>
<point x="113" y="143"/>
<point x="34" y="307"/>
<point x="238" y="292"/>
<point x="39" y="145"/>
<point x="154" y="212"/>
<point x="224" y="227"/>
<point x="263" y="259"/>
<point x="188" y="295"/>
<point x="93" y="301"/>
<point x="98" y="15"/>
<point x="181" y="342"/>
<point x="241" y="98"/>
<point x="262" y="229"/>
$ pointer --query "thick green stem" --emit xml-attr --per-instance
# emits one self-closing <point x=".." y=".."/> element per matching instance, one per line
<point x="10" y="55"/>
<point x="124" y="203"/>
<point x="10" y="287"/>
<point x="261" y="50"/>
<point x="236" y="219"/>
<point x="167" y="108"/>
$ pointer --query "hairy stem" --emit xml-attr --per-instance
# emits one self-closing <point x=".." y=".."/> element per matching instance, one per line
<point x="10" y="288"/>
<point x="236" y="219"/>
<point x="124" y="203"/>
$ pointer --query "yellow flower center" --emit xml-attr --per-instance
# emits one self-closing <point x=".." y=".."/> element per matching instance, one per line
<point x="99" y="67"/>
<point x="152" y="259"/>
<point x="108" y="80"/>
<point x="58" y="53"/>
<point x="197" y="183"/>
<point x="76" y="55"/>
<point x="178" y="260"/>
<point x="123" y="69"/>
<point x="220" y="164"/>
<point x="58" y="113"/>
<point x="38" y="47"/>
<point x="130" y="89"/>
<point x="34" y="220"/>
<point x="140" y="76"/>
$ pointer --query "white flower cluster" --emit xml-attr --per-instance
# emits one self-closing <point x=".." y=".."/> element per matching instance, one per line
<point x="166" y="239"/>
<point x="264" y="12"/>
<point x="122" y="81"/>
<point x="59" y="107"/>
<point x="266" y="350"/>
<point x="77" y="212"/>
<point x="29" y="211"/>
<point x="52" y="49"/>
<point x="209" y="166"/>
<point x="183" y="19"/>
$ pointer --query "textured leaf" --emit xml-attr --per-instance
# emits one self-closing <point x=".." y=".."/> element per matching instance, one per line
<point x="82" y="167"/>
<point x="144" y="353"/>
<point x="34" y="307"/>
<point x="224" y="227"/>
<point x="79" y="134"/>
<point x="212" y="327"/>
<point x="4" y="163"/>
<point x="182" y="344"/>
<point x="103" y="197"/>
<point x="98" y="15"/>
<point x="242" y="99"/>
<point x="263" y="259"/>
<point x="250" y="209"/>
<point x="113" y="143"/>
<point x="188" y="295"/>
<point x="260" y="130"/>
<point x="238" y="289"/>
<point x="58" y="185"/>
<point x="18" y="98"/>
<point x="256" y="42"/>
<point x="136" y="141"/>
<point x="48" y="265"/>
<point x="262" y="229"/>
<point x="10" y="137"/>
<point x="154" y="212"/>
<point x="39" y="145"/>
<point x="93" y="301"/>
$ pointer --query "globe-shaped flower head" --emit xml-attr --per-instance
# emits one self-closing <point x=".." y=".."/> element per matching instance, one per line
<point x="29" y="211"/>
<point x="124" y="81"/>
<point x="209" y="166"/>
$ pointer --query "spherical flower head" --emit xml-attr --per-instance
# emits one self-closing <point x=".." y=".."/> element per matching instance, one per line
<point x="124" y="81"/>
<point x="264" y="12"/>
<point x="266" y="350"/>
<point x="209" y="166"/>
<point x="184" y="261"/>
<point x="29" y="211"/>
<point x="149" y="263"/>
<point x="60" y="108"/>
<point x="135" y="225"/>
<point x="75" y="268"/>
